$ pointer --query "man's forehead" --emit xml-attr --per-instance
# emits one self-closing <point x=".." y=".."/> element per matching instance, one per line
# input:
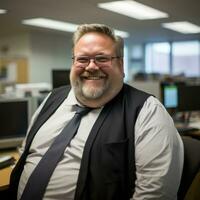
<point x="94" y="42"/>
<point x="94" y="37"/>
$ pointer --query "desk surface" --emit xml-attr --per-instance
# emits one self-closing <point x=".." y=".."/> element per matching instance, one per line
<point x="193" y="124"/>
<point x="5" y="173"/>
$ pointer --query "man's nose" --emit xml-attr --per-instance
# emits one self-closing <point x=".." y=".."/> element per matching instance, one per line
<point x="92" y="65"/>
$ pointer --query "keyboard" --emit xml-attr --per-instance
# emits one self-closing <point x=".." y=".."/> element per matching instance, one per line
<point x="6" y="161"/>
<point x="186" y="129"/>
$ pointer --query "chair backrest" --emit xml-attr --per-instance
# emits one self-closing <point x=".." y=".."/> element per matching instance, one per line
<point x="191" y="164"/>
<point x="194" y="192"/>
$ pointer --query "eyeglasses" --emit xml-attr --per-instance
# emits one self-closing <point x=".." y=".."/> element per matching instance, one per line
<point x="100" y="60"/>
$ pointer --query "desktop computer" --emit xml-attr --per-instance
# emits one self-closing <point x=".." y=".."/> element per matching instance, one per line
<point x="60" y="77"/>
<point x="15" y="114"/>
<point x="181" y="98"/>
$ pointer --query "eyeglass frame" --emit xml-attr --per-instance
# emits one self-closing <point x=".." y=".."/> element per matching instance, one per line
<point x="94" y="58"/>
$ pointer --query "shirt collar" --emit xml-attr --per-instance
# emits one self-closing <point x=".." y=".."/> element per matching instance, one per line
<point x="71" y="99"/>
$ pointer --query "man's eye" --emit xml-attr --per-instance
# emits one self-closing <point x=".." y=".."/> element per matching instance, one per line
<point x="82" y="60"/>
<point x="102" y="59"/>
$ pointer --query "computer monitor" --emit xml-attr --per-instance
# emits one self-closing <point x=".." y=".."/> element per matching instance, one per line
<point x="15" y="114"/>
<point x="32" y="89"/>
<point x="189" y="98"/>
<point x="169" y="93"/>
<point x="60" y="77"/>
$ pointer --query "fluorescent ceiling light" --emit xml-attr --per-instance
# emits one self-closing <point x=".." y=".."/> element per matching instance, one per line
<point x="51" y="24"/>
<point x="133" y="9"/>
<point x="61" y="26"/>
<point x="3" y="11"/>
<point x="182" y="27"/>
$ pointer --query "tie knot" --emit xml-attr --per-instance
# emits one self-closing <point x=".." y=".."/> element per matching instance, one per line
<point x="82" y="110"/>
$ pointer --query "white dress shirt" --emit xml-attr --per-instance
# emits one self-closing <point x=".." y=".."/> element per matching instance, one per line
<point x="158" y="152"/>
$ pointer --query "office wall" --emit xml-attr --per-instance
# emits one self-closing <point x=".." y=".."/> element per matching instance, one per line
<point x="44" y="51"/>
<point x="17" y="45"/>
<point x="48" y="51"/>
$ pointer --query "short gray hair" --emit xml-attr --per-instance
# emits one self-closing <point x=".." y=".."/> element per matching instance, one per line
<point x="100" y="28"/>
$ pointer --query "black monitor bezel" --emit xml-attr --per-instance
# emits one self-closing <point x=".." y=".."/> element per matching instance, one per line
<point x="58" y="80"/>
<point x="13" y="140"/>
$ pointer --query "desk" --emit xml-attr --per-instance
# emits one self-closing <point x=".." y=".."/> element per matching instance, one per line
<point x="5" y="173"/>
<point x="194" y="134"/>
<point x="193" y="124"/>
<point x="191" y="133"/>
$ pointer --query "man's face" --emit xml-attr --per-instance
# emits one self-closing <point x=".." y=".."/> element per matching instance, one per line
<point x="99" y="78"/>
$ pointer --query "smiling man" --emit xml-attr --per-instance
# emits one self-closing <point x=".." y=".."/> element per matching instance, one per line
<point x="97" y="71"/>
<point x="126" y="146"/>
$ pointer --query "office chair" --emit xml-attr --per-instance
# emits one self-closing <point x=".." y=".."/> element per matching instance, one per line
<point x="190" y="181"/>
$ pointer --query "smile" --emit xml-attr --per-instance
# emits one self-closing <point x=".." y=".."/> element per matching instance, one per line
<point x="93" y="77"/>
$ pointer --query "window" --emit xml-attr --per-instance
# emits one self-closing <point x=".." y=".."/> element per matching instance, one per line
<point x="185" y="58"/>
<point x="157" y="58"/>
<point x="176" y="58"/>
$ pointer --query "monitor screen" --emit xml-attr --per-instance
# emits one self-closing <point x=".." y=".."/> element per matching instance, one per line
<point x="189" y="98"/>
<point x="14" y="120"/>
<point x="170" y="96"/>
<point x="169" y="93"/>
<point x="60" y="77"/>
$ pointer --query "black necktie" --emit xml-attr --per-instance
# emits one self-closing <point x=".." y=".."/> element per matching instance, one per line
<point x="38" y="180"/>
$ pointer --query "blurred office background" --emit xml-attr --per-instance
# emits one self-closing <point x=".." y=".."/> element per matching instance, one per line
<point x="35" y="57"/>
<point x="28" y="53"/>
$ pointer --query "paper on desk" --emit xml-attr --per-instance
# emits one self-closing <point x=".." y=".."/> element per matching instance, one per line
<point x="195" y="124"/>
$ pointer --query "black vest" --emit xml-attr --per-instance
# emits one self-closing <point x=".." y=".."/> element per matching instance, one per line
<point x="107" y="168"/>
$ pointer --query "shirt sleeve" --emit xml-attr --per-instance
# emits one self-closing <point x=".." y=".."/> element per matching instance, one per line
<point x="158" y="154"/>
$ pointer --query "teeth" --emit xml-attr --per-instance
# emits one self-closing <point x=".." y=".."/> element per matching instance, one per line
<point x="93" y="78"/>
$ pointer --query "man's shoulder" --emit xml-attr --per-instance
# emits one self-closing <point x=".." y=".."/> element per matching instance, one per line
<point x="61" y="90"/>
<point x="58" y="95"/>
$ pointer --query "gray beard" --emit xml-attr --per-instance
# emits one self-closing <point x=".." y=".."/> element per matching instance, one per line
<point x="89" y="92"/>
